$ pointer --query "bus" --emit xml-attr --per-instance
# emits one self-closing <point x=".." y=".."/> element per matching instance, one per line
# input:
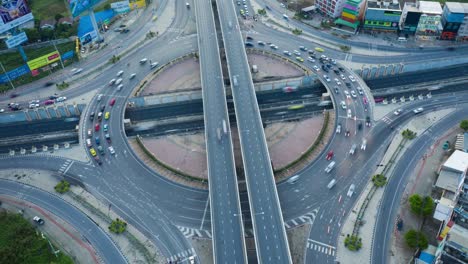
<point x="379" y="99"/>
<point x="296" y="107"/>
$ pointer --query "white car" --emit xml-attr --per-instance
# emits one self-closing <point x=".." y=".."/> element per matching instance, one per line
<point x="350" y="190"/>
<point x="88" y="143"/>
<point x="143" y="61"/>
<point x="297" y="53"/>
<point x="360" y="91"/>
<point x="75" y="71"/>
<point x="31" y="106"/>
<point x="293" y="179"/>
<point x="273" y="46"/>
<point x="398" y="112"/>
<point x="120" y="73"/>
<point x="338" y="83"/>
<point x="311" y="59"/>
<point x="61" y="99"/>
<point x="338" y="129"/>
<point x="364" y="144"/>
<point x="154" y="65"/>
<point x="353" y="94"/>
<point x="119" y="87"/>
<point x="418" y="110"/>
<point x="111" y="150"/>
<point x="99" y="98"/>
<point x="287" y="53"/>
<point x="352" y="78"/>
<point x="35" y="102"/>
<point x="2" y="110"/>
<point x="111" y="82"/>
<point x="347" y="94"/>
<point x="326" y="78"/>
<point x="132" y="76"/>
<point x="317" y="69"/>
<point x="323" y="57"/>
<point x="353" y="149"/>
<point x="349" y="113"/>
<point x="119" y="81"/>
<point x="342" y="77"/>
<point x="343" y="105"/>
<point x="38" y="220"/>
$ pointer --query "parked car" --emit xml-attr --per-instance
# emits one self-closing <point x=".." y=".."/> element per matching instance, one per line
<point x="38" y="220"/>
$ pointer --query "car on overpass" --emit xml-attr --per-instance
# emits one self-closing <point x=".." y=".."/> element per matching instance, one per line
<point x="319" y="49"/>
<point x="299" y="59"/>
<point x="418" y="110"/>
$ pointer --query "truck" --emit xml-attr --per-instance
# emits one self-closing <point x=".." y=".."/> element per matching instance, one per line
<point x="330" y="167"/>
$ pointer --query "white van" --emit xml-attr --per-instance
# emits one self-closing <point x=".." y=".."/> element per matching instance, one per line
<point x="285" y="16"/>
<point x="331" y="184"/>
<point x="402" y="39"/>
<point x="154" y="65"/>
<point x="351" y="190"/>
<point x="330" y="167"/>
<point x="119" y="81"/>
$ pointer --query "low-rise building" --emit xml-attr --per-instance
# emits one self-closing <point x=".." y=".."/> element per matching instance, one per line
<point x="382" y="15"/>
<point x="454" y="247"/>
<point x="462" y="34"/>
<point x="422" y="18"/>
<point x="331" y="8"/>
<point x="351" y="16"/>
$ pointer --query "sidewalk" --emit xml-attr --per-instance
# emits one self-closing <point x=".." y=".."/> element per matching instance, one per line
<point x="345" y="256"/>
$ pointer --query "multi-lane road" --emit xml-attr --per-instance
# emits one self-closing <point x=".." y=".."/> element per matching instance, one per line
<point x="226" y="216"/>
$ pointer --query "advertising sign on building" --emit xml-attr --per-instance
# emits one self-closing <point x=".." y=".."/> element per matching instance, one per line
<point x="121" y="7"/>
<point x="134" y="4"/>
<point x="79" y="6"/>
<point x="16" y="40"/>
<point x="43" y="60"/>
<point x="15" y="73"/>
<point x="13" y="13"/>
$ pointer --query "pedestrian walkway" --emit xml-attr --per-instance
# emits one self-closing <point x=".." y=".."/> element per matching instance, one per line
<point x="345" y="256"/>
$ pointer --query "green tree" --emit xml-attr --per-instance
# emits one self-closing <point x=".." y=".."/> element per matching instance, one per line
<point x="297" y="31"/>
<point x="58" y="17"/>
<point x="62" y="187"/>
<point x="46" y="34"/>
<point x="415" y="239"/>
<point x="353" y="243"/>
<point x="421" y="206"/>
<point x="118" y="226"/>
<point x="408" y="134"/>
<point x="262" y="12"/>
<point x="464" y="125"/>
<point x="379" y="180"/>
<point x="33" y="34"/>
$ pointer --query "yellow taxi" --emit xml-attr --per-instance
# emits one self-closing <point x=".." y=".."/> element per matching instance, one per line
<point x="300" y="59"/>
<point x="107" y="115"/>
<point x="93" y="152"/>
<point x="319" y="49"/>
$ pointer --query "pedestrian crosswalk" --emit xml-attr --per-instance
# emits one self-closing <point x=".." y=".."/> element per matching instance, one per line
<point x="387" y="120"/>
<point x="65" y="166"/>
<point x="181" y="256"/>
<point x="306" y="218"/>
<point x="321" y="247"/>
<point x="192" y="232"/>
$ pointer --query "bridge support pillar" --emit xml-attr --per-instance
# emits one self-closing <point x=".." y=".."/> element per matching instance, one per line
<point x="33" y="149"/>
<point x="67" y="145"/>
<point x="56" y="146"/>
<point x="12" y="153"/>
<point x="45" y="148"/>
<point x="22" y="151"/>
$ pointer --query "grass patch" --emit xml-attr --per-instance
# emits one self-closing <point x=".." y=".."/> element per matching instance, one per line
<point x="317" y="142"/>
<point x="47" y="9"/>
<point x="19" y="243"/>
<point x="164" y="165"/>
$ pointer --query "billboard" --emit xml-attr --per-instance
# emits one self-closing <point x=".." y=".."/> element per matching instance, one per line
<point x="79" y="6"/>
<point x="134" y="4"/>
<point x="121" y="7"/>
<point x="43" y="60"/>
<point x="16" y="40"/>
<point x="13" y="13"/>
<point x="15" y="73"/>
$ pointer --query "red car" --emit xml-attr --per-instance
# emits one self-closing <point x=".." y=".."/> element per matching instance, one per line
<point x="96" y="127"/>
<point x="330" y="155"/>
<point x="112" y="102"/>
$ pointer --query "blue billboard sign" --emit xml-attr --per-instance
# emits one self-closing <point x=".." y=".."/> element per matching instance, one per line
<point x="79" y="6"/>
<point x="15" y="73"/>
<point x="16" y="40"/>
<point x="68" y="55"/>
<point x="14" y="13"/>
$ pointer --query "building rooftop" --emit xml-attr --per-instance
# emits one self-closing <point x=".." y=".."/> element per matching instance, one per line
<point x="449" y="180"/>
<point x="459" y="235"/>
<point x="465" y="135"/>
<point x="442" y="212"/>
<point x="455" y="7"/>
<point x="388" y="4"/>
<point x="429" y="7"/>
<point x="457" y="162"/>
